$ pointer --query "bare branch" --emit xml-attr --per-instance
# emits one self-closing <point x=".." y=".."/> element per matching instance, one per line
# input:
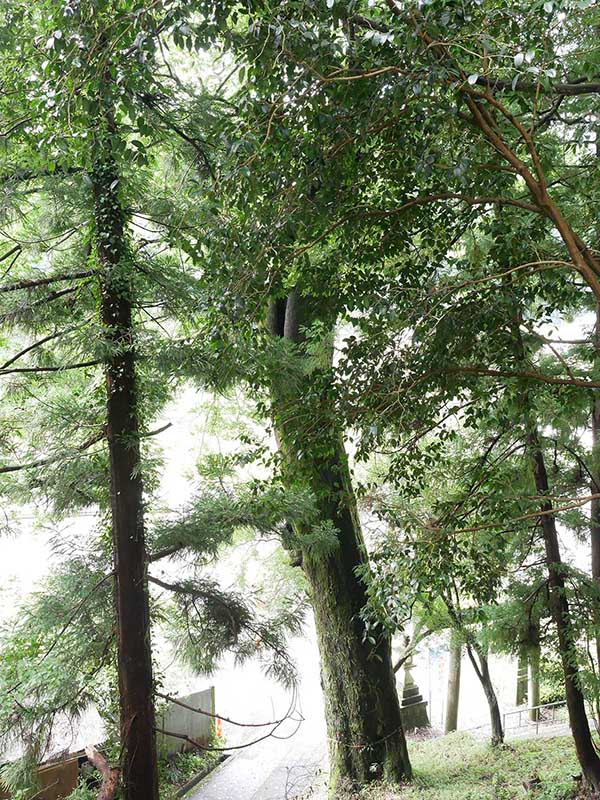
<point x="178" y="702"/>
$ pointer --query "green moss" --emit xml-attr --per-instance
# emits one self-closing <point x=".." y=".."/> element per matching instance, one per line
<point x="457" y="767"/>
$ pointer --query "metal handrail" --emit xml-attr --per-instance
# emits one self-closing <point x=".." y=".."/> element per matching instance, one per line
<point x="520" y="711"/>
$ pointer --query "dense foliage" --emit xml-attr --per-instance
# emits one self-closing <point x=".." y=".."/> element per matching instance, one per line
<point x="376" y="221"/>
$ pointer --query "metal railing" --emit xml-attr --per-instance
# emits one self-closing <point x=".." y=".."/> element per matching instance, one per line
<point x="538" y="716"/>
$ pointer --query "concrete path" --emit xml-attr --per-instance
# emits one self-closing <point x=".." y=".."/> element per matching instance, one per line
<point x="286" y="765"/>
<point x="276" y="769"/>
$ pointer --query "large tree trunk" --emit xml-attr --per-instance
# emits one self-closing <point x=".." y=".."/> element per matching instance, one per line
<point x="138" y="738"/>
<point x="366" y="739"/>
<point x="453" y="693"/>
<point x="522" y="663"/>
<point x="481" y="666"/>
<point x="559" y="606"/>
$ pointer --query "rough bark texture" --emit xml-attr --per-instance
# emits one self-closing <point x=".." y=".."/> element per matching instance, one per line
<point x="533" y="689"/>
<point x="481" y="666"/>
<point x="522" y="663"/>
<point x="140" y="774"/>
<point x="559" y="606"/>
<point x="453" y="692"/>
<point x="366" y="739"/>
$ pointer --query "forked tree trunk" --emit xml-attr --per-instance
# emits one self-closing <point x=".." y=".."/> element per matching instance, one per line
<point x="481" y="666"/>
<point x="453" y="694"/>
<point x="522" y="664"/>
<point x="138" y="738"/>
<point x="561" y="613"/>
<point x="366" y="739"/>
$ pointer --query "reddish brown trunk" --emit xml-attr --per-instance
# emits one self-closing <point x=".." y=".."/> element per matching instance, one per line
<point x="138" y="738"/>
<point x="595" y="482"/>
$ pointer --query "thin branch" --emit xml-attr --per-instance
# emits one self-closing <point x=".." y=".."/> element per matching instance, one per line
<point x="535" y="376"/>
<point x="31" y="284"/>
<point x="37" y="344"/>
<point x="209" y="749"/>
<point x="533" y="515"/>
<point x="45" y="461"/>
<point x="16" y="249"/>
<point x="417" y="201"/>
<point x="19" y="370"/>
<point x="218" y="716"/>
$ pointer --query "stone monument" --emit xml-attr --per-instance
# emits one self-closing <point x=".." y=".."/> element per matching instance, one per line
<point x="414" y="708"/>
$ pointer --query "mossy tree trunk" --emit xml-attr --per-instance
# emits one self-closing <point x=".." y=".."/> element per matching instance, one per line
<point x="138" y="738"/>
<point x="366" y="739"/>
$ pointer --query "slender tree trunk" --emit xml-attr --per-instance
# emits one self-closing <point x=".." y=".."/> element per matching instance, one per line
<point x="595" y="483"/>
<point x="138" y="738"/>
<point x="453" y="692"/>
<point x="533" y="691"/>
<point x="521" y="677"/>
<point x="481" y="666"/>
<point x="366" y="739"/>
<point x="559" y="606"/>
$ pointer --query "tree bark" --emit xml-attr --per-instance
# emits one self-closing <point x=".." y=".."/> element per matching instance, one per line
<point x="558" y="601"/>
<point x="522" y="663"/>
<point x="138" y="740"/>
<point x="453" y="692"/>
<point x="595" y="483"/>
<point x="366" y="739"/>
<point x="559" y="606"/>
<point x="481" y="666"/>
<point x="110" y="775"/>
<point x="533" y="685"/>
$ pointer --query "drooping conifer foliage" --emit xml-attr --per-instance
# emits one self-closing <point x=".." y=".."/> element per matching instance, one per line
<point x="378" y="221"/>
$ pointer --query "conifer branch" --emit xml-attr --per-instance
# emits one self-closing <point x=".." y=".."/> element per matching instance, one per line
<point x="62" y="368"/>
<point x="37" y="344"/>
<point x="31" y="284"/>
<point x="43" y="462"/>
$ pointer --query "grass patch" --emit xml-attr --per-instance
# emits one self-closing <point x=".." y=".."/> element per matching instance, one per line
<point x="179" y="768"/>
<point x="457" y="767"/>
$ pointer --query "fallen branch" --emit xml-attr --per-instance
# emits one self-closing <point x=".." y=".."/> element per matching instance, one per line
<point x="110" y="775"/>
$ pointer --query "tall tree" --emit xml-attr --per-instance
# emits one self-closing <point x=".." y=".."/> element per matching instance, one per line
<point x="362" y="708"/>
